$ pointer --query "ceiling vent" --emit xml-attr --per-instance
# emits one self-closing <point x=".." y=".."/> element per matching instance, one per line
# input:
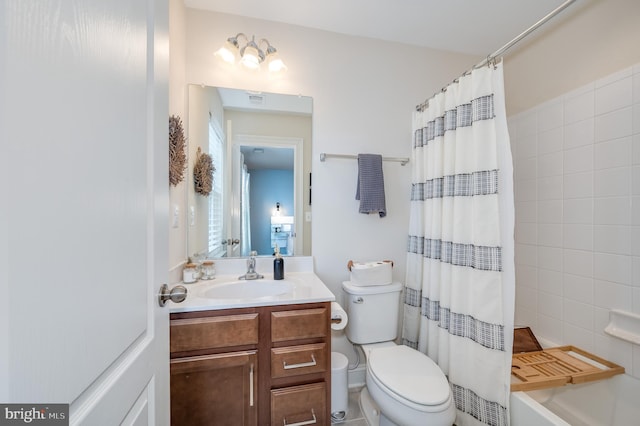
<point x="256" y="99"/>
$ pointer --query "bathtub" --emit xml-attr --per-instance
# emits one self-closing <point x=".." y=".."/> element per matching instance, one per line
<point x="609" y="402"/>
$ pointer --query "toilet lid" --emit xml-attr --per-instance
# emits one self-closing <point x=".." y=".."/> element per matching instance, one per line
<point x="410" y="374"/>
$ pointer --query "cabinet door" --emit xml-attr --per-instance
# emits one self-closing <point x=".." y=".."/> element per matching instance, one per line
<point x="216" y="390"/>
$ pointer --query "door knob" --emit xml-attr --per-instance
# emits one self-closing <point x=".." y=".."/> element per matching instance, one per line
<point x="176" y="295"/>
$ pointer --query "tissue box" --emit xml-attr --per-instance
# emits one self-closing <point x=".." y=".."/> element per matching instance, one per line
<point x="370" y="273"/>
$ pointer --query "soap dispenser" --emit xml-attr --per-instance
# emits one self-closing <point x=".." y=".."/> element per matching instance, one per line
<point x="278" y="265"/>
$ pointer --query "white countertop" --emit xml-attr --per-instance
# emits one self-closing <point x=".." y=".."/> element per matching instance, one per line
<point x="306" y="288"/>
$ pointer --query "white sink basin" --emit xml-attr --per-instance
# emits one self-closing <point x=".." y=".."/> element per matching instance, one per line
<point x="226" y="291"/>
<point x="249" y="290"/>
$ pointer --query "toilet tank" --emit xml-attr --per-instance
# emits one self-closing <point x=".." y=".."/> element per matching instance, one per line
<point x="372" y="312"/>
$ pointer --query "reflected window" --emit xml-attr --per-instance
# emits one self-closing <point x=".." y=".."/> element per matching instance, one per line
<point x="216" y="203"/>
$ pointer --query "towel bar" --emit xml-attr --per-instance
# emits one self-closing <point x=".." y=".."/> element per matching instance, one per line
<point x="324" y="156"/>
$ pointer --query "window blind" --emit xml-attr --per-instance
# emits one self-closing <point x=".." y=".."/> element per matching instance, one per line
<point x="216" y="204"/>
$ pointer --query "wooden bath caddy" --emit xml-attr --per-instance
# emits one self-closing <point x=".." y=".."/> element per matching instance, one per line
<point x="557" y="367"/>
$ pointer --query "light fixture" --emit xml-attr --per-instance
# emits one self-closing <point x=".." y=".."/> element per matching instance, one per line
<point x="251" y="55"/>
<point x="229" y="51"/>
<point x="274" y="62"/>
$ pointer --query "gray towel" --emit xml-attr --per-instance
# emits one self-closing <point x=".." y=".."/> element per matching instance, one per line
<point x="370" y="190"/>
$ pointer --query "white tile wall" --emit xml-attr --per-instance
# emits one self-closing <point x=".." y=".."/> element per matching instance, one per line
<point x="578" y="160"/>
<point x="550" y="141"/>
<point x="550" y="281"/>
<point x="612" y="182"/>
<point x="613" y="153"/>
<point x="549" y="211"/>
<point x="549" y="234"/>
<point x="578" y="288"/>
<point x="579" y="105"/>
<point x="578" y="134"/>
<point x="577" y="210"/>
<point x="613" y="125"/>
<point x="578" y="262"/>
<point x="577" y="183"/>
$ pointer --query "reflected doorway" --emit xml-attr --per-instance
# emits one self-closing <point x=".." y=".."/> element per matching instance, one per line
<point x="266" y="189"/>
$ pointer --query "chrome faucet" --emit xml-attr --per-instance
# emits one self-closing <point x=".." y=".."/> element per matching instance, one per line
<point x="251" y="268"/>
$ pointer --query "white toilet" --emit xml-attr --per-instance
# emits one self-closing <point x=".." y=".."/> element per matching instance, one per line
<point x="403" y="386"/>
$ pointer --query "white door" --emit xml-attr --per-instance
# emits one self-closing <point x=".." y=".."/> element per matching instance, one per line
<point x="234" y="172"/>
<point x="84" y="208"/>
<point x="236" y="211"/>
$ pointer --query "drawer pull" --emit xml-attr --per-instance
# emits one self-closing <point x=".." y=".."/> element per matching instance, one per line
<point x="306" y="422"/>
<point x="251" y="386"/>
<point x="301" y="365"/>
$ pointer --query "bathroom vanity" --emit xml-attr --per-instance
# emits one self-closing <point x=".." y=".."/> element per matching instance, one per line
<point x="252" y="360"/>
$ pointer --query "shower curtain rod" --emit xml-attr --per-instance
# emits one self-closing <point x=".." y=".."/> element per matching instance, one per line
<point x="492" y="57"/>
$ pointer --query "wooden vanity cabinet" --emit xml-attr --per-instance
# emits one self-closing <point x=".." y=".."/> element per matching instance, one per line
<point x="251" y="366"/>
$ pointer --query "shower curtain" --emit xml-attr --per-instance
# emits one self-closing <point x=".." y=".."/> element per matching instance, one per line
<point x="245" y="210"/>
<point x="460" y="284"/>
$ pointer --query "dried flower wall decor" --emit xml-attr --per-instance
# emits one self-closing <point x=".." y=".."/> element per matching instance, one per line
<point x="203" y="173"/>
<point x="177" y="154"/>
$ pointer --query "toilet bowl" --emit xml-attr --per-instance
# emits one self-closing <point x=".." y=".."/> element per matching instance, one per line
<point x="403" y="386"/>
<point x="409" y="388"/>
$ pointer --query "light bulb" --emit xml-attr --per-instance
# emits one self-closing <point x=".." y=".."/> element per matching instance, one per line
<point x="228" y="52"/>
<point x="275" y="63"/>
<point x="250" y="57"/>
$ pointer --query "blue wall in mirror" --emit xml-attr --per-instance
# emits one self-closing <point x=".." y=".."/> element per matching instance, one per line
<point x="268" y="187"/>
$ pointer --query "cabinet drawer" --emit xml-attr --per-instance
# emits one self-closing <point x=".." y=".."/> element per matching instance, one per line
<point x="299" y="324"/>
<point x="213" y="332"/>
<point x="306" y="404"/>
<point x="297" y="360"/>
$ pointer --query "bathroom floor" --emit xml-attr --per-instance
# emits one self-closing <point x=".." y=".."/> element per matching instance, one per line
<point x="354" y="416"/>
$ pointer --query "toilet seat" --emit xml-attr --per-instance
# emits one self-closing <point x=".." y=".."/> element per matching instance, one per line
<point x="410" y="377"/>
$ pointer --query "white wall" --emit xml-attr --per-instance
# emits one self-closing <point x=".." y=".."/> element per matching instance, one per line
<point x="577" y="174"/>
<point x="364" y="92"/>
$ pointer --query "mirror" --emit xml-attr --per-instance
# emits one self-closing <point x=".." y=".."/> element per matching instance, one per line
<point x="260" y="144"/>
